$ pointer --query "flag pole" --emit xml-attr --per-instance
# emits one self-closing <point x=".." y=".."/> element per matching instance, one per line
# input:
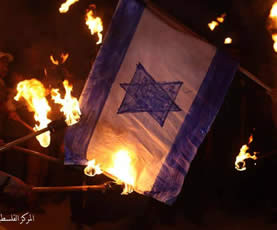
<point x="173" y="22"/>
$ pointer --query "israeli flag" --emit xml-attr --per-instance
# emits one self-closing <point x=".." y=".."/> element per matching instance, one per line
<point x="153" y="92"/>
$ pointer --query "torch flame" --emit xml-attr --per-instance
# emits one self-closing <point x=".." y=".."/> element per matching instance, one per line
<point x="55" y="62"/>
<point x="92" y="169"/>
<point x="221" y="18"/>
<point x="34" y="94"/>
<point x="65" y="6"/>
<point x="228" y="40"/>
<point x="240" y="164"/>
<point x="95" y="25"/>
<point x="273" y="11"/>
<point x="273" y="25"/>
<point x="121" y="170"/>
<point x="212" y="25"/>
<point x="64" y="57"/>
<point x="70" y="105"/>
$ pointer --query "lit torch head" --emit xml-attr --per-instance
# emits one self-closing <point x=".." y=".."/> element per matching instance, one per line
<point x="95" y="25"/>
<point x="212" y="25"/>
<point x="120" y="169"/>
<point x="240" y="164"/>
<point x="34" y="94"/>
<point x="70" y="105"/>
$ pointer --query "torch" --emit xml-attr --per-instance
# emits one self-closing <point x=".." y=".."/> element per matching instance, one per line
<point x="54" y="125"/>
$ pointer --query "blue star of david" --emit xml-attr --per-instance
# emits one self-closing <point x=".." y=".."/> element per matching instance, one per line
<point x="144" y="94"/>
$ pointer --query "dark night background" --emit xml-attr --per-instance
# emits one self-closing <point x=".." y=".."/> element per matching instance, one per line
<point x="214" y="195"/>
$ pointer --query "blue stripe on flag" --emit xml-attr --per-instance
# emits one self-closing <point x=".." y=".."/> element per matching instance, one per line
<point x="197" y="123"/>
<point x="101" y="78"/>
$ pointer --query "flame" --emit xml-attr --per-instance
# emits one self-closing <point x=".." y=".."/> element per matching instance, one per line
<point x="70" y="105"/>
<point x="274" y="38"/>
<point x="121" y="170"/>
<point x="34" y="94"/>
<point x="221" y="18"/>
<point x="55" y="62"/>
<point x="92" y="169"/>
<point x="212" y="25"/>
<point x="95" y="25"/>
<point x="240" y="164"/>
<point x="228" y="40"/>
<point x="64" y="57"/>
<point x="65" y="6"/>
<point x="273" y="25"/>
<point x="273" y="11"/>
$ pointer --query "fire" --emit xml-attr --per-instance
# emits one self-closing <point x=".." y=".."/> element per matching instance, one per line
<point x="123" y="170"/>
<point x="63" y="57"/>
<point x="70" y="105"/>
<point x="34" y="94"/>
<point x="212" y="25"/>
<point x="273" y="25"/>
<point x="273" y="11"/>
<point x="95" y="25"/>
<point x="228" y="40"/>
<point x="55" y="62"/>
<point x="65" y="6"/>
<point x="221" y="18"/>
<point x="274" y="38"/>
<point x="243" y="155"/>
<point x="120" y="169"/>
<point x="92" y="169"/>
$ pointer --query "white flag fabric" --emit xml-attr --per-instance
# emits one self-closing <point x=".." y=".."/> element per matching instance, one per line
<point x="150" y="99"/>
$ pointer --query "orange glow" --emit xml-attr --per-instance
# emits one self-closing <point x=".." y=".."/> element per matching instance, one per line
<point x="55" y="62"/>
<point x="95" y="25"/>
<point x="228" y="40"/>
<point x="65" y="6"/>
<point x="70" y="105"/>
<point x="240" y="164"/>
<point x="34" y="94"/>
<point x="212" y="25"/>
